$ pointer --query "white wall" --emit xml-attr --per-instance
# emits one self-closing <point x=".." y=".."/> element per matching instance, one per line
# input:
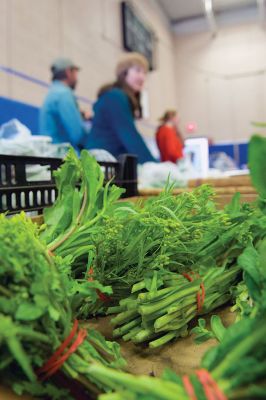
<point x="34" y="32"/>
<point x="221" y="82"/>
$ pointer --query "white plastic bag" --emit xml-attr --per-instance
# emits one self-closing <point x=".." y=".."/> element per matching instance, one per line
<point x="156" y="175"/>
<point x="14" y="129"/>
<point x="102" y="155"/>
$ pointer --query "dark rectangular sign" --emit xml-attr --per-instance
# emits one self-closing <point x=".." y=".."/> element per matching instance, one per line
<point x="136" y="35"/>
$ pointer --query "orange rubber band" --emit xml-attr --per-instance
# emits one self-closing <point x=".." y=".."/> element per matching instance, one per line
<point x="210" y="387"/>
<point x="188" y="277"/>
<point x="200" y="295"/>
<point x="189" y="387"/>
<point x="54" y="363"/>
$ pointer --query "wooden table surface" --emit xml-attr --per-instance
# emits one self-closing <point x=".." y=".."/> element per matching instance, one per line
<point x="225" y="189"/>
<point x="240" y="180"/>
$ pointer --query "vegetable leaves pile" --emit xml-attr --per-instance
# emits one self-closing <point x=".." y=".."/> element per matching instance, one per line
<point x="36" y="315"/>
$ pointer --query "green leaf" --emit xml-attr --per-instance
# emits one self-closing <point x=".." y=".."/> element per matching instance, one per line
<point x="10" y="334"/>
<point x="54" y="314"/>
<point x="93" y="178"/>
<point x="249" y="262"/>
<point x="170" y="375"/>
<point x="28" y="311"/>
<point x="234" y="335"/>
<point x="42" y="301"/>
<point x="202" y="334"/>
<point x="217" y="327"/>
<point x="202" y="323"/>
<point x="234" y="206"/>
<point x="257" y="163"/>
<point x="40" y="389"/>
<point x="7" y="306"/>
<point x="20" y="355"/>
<point x="59" y="217"/>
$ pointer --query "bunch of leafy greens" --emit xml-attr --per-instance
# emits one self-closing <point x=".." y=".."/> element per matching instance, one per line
<point x="237" y="364"/>
<point x="81" y="202"/>
<point x="159" y="314"/>
<point x="36" y="315"/>
<point x="168" y="232"/>
<point x="244" y="304"/>
<point x="162" y="304"/>
<point x="239" y="361"/>
<point x="118" y="243"/>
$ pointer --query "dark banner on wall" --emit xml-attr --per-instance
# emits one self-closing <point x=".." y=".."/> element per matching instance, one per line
<point x="137" y="36"/>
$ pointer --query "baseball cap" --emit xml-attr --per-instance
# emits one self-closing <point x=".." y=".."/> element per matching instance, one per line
<point x="61" y="64"/>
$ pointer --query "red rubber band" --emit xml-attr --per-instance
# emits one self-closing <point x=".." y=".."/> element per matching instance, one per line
<point x="58" y="363"/>
<point x="189" y="387"/>
<point x="55" y="362"/>
<point x="205" y="384"/>
<point x="60" y="350"/>
<point x="200" y="295"/>
<point x="100" y="295"/>
<point x="211" y="388"/>
<point x="188" y="277"/>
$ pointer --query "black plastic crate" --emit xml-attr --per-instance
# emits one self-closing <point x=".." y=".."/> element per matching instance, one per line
<point x="19" y="191"/>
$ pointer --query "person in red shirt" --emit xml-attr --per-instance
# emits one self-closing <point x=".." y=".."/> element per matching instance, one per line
<point x="168" y="137"/>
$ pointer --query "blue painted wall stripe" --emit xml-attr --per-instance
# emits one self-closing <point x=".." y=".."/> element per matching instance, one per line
<point x="36" y="81"/>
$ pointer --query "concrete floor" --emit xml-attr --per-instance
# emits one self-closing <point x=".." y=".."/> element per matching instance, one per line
<point x="182" y="355"/>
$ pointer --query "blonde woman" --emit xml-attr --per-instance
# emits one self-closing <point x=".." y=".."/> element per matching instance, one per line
<point x="118" y="104"/>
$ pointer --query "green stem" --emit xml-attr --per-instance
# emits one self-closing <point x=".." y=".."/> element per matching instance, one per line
<point x="138" y="286"/>
<point x="163" y="339"/>
<point x="126" y="328"/>
<point x="29" y="334"/>
<point x="115" y="310"/>
<point x="123" y="317"/>
<point x="140" y="384"/>
<point x="244" y="347"/>
<point x="53" y="246"/>
<point x="151" y="308"/>
<point x="143" y="335"/>
<point x="5" y="291"/>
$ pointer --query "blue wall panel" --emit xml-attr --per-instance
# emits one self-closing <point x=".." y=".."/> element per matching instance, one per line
<point x="25" y="113"/>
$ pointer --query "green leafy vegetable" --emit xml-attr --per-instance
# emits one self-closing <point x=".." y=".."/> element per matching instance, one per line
<point x="257" y="163"/>
<point x="36" y="315"/>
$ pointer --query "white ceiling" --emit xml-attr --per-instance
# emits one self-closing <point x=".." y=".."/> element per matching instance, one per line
<point x="181" y="9"/>
<point x="177" y="10"/>
<point x="224" y="5"/>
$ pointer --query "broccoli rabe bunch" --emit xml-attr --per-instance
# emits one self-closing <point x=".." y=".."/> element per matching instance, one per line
<point x="36" y="318"/>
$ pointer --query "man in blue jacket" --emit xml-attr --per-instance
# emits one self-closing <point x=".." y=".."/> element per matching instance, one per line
<point x="60" y="117"/>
